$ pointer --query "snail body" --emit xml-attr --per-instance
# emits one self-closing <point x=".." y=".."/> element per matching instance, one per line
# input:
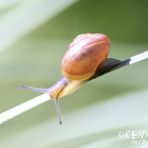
<point x="84" y="56"/>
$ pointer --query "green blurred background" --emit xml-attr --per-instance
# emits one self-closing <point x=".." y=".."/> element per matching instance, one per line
<point x="34" y="36"/>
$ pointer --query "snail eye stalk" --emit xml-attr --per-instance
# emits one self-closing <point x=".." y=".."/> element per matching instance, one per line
<point x="58" y="110"/>
<point x="35" y="89"/>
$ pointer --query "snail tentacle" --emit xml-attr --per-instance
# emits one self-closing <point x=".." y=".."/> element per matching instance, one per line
<point x="35" y="89"/>
<point x="58" y="109"/>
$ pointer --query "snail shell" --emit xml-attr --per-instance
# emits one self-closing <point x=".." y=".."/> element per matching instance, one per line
<point x="85" y="54"/>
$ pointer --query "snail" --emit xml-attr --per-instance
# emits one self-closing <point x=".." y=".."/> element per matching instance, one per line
<point x="82" y="62"/>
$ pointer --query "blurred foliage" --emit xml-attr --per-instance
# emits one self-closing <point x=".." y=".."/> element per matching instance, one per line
<point x="124" y="21"/>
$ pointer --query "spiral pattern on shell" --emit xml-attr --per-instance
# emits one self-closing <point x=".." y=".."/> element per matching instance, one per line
<point x="85" y="54"/>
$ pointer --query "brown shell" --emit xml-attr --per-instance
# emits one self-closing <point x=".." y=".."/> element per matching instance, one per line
<point x="84" y="55"/>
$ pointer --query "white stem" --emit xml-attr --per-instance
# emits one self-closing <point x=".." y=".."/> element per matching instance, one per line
<point x="139" y="57"/>
<point x="17" y="23"/>
<point x="11" y="113"/>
